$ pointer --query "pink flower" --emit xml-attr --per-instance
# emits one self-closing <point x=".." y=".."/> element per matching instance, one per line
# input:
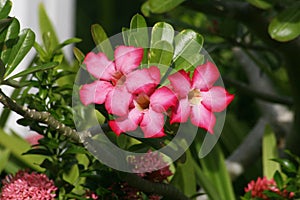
<point x="148" y="107"/>
<point x="34" y="138"/>
<point x="110" y="88"/>
<point x="263" y="184"/>
<point x="198" y="98"/>
<point x="26" y="185"/>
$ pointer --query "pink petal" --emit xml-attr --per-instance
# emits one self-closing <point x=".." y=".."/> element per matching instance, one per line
<point x="144" y="80"/>
<point x="181" y="83"/>
<point x="126" y="123"/>
<point x="203" y="118"/>
<point x="162" y="99"/>
<point x="94" y="92"/>
<point x="216" y="99"/>
<point x="118" y="101"/>
<point x="205" y="76"/>
<point x="99" y="66"/>
<point x="182" y="112"/>
<point x="152" y="124"/>
<point x="128" y="58"/>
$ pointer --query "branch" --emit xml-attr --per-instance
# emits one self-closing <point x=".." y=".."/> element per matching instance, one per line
<point x="43" y="117"/>
<point x="166" y="190"/>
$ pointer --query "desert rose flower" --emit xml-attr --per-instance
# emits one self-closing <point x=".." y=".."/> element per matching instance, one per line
<point x="26" y="185"/>
<point x="148" y="108"/>
<point x="198" y="97"/>
<point x="110" y="88"/>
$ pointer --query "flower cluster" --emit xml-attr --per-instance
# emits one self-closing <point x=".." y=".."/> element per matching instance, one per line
<point x="135" y="97"/>
<point x="26" y="185"/>
<point x="258" y="187"/>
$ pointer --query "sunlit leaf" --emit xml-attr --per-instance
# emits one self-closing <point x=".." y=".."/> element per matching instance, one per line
<point x="158" y="6"/>
<point x="67" y="42"/>
<point x="78" y="54"/>
<point x="263" y="4"/>
<point x="145" y="8"/>
<point x="138" y="32"/>
<point x="162" y="31"/>
<point x="4" y="156"/>
<point x="5" y="7"/>
<point x="19" y="51"/>
<point x="269" y="152"/>
<point x="101" y="40"/>
<point x="286" y="25"/>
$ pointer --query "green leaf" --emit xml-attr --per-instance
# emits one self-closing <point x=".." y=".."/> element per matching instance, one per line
<point x="286" y="25"/>
<point x="101" y="40"/>
<point x="187" y="44"/>
<point x="158" y="6"/>
<point x="5" y="7"/>
<point x="35" y="69"/>
<point x="78" y="54"/>
<point x="263" y="4"/>
<point x="2" y="70"/>
<point x="213" y="166"/>
<point x="145" y="8"/>
<point x="162" y="31"/>
<point x="138" y="32"/>
<point x="269" y="152"/>
<point x="9" y="36"/>
<point x="47" y="29"/>
<point x="19" y="51"/>
<point x="67" y="42"/>
<point x="125" y="34"/>
<point x="4" y="156"/>
<point x="4" y="23"/>
<point x="279" y="180"/>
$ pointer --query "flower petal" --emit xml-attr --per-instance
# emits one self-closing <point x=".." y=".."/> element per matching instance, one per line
<point x="162" y="99"/>
<point x="216" y="99"/>
<point x="203" y="118"/>
<point x="99" y="66"/>
<point x="126" y="123"/>
<point x="144" y="80"/>
<point x="94" y="92"/>
<point x="118" y="101"/>
<point x="205" y="76"/>
<point x="152" y="124"/>
<point x="181" y="83"/>
<point x="182" y="111"/>
<point x="128" y="58"/>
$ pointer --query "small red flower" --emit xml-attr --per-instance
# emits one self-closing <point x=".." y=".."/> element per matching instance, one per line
<point x="26" y="185"/>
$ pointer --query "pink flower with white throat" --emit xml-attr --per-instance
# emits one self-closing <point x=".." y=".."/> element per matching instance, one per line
<point x="198" y="97"/>
<point x="110" y="88"/>
<point x="149" y="105"/>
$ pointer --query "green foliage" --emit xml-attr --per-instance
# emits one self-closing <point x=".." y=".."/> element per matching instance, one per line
<point x="157" y="6"/>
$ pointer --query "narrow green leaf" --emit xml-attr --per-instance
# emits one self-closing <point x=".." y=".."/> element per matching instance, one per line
<point x="67" y="42"/>
<point x="78" y="54"/>
<point x="269" y="151"/>
<point x="4" y="23"/>
<point x="19" y="51"/>
<point x="263" y="4"/>
<point x="42" y="53"/>
<point x="213" y="165"/>
<point x="12" y="141"/>
<point x="286" y="25"/>
<point x="4" y="156"/>
<point x="101" y="40"/>
<point x="279" y="180"/>
<point x="125" y="34"/>
<point x="47" y="29"/>
<point x="2" y="70"/>
<point x="162" y="31"/>
<point x="10" y="37"/>
<point x="5" y="7"/>
<point x="158" y="6"/>
<point x="187" y="44"/>
<point x="35" y="69"/>
<point x="138" y="32"/>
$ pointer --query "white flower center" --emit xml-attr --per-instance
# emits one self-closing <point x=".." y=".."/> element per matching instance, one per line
<point x="194" y="97"/>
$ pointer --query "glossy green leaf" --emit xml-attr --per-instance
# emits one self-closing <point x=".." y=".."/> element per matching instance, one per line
<point x="286" y="25"/>
<point x="2" y="70"/>
<point x="72" y="175"/>
<point x="269" y="151"/>
<point x="184" y="178"/>
<point x="78" y="54"/>
<point x="162" y="31"/>
<point x="263" y="4"/>
<point x="4" y="23"/>
<point x="138" y="32"/>
<point x="67" y="42"/>
<point x="286" y="165"/>
<point x="9" y="36"/>
<point x="5" y="7"/>
<point x="158" y="6"/>
<point x="278" y="179"/>
<point x="145" y="8"/>
<point x="101" y="40"/>
<point x="189" y="63"/>
<point x="47" y="30"/>
<point x="10" y="142"/>
<point x="213" y="165"/>
<point x="35" y="69"/>
<point x="187" y="44"/>
<point x="19" y="51"/>
<point x="42" y="53"/>
<point x="4" y="156"/>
